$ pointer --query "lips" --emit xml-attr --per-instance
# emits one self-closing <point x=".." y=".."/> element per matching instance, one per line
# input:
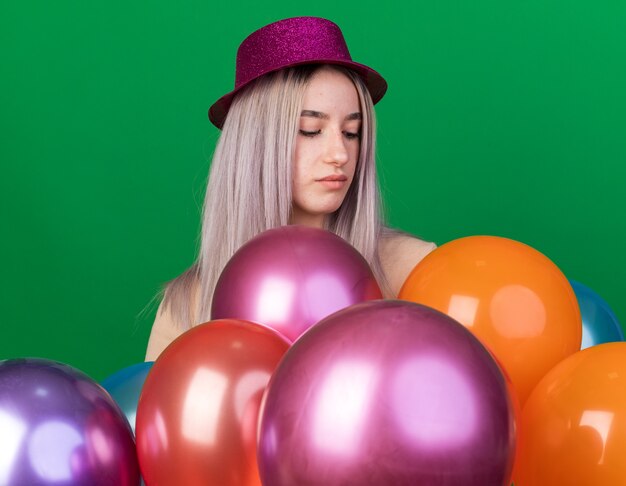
<point x="341" y="178"/>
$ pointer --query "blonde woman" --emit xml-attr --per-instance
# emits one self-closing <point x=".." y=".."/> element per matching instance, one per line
<point x="297" y="147"/>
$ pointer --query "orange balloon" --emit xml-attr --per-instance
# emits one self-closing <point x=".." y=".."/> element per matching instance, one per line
<point x="198" y="409"/>
<point x="512" y="297"/>
<point x="574" y="422"/>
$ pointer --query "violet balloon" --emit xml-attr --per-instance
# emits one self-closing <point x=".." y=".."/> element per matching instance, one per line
<point x="291" y="277"/>
<point x="58" y="426"/>
<point x="387" y="392"/>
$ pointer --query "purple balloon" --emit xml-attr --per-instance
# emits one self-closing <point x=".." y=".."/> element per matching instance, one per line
<point x="291" y="277"/>
<point x="387" y="392"/>
<point x="59" y="427"/>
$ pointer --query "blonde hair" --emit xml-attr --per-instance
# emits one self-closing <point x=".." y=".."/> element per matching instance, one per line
<point x="249" y="187"/>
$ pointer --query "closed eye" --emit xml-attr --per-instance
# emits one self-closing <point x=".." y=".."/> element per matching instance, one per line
<point x="348" y="135"/>
<point x="310" y="134"/>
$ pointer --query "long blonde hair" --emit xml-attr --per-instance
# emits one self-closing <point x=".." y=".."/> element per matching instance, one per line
<point x="249" y="187"/>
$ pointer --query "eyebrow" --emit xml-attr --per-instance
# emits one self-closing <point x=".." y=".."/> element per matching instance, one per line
<point x="324" y="116"/>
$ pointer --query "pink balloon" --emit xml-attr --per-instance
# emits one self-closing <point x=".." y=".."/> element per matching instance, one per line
<point x="387" y="392"/>
<point x="291" y="277"/>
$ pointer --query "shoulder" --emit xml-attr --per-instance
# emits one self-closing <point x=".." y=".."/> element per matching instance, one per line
<point x="175" y="314"/>
<point x="397" y="245"/>
<point x="399" y="253"/>
<point x="164" y="331"/>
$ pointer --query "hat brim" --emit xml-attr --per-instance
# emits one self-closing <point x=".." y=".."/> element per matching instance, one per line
<point x="376" y="85"/>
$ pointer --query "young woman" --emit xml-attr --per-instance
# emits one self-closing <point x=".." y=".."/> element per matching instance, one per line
<point x="297" y="147"/>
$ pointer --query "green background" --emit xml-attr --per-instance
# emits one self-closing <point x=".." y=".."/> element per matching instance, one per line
<point x="503" y="117"/>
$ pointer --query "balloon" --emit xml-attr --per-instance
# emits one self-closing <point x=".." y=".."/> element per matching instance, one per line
<point x="600" y="324"/>
<point x="291" y="277"/>
<point x="198" y="410"/>
<point x="58" y="426"/>
<point x="386" y="392"/>
<point x="512" y="297"/>
<point x="125" y="387"/>
<point x="574" y="422"/>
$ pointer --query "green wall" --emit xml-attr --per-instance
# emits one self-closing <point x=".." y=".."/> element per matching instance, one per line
<point x="503" y="117"/>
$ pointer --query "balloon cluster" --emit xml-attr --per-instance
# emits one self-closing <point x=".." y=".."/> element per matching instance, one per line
<point x="305" y="375"/>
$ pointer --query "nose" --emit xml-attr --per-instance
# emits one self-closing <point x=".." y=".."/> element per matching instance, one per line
<point x="336" y="150"/>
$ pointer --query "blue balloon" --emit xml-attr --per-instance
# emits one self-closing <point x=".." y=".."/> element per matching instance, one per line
<point x="600" y="325"/>
<point x="125" y="387"/>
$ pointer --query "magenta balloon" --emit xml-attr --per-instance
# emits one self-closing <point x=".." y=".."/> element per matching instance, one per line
<point x="59" y="427"/>
<point x="291" y="277"/>
<point x="387" y="392"/>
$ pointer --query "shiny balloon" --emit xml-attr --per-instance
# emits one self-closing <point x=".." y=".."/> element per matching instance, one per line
<point x="600" y="324"/>
<point x="512" y="297"/>
<point x="58" y="426"/>
<point x="198" y="410"/>
<point x="574" y="423"/>
<point x="291" y="277"/>
<point x="125" y="387"/>
<point x="387" y="392"/>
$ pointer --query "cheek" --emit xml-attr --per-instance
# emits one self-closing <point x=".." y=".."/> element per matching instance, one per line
<point x="354" y="155"/>
<point x="298" y="179"/>
<point x="297" y="175"/>
<point x="354" y="165"/>
<point x="301" y="167"/>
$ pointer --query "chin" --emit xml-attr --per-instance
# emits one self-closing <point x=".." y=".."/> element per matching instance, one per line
<point x="328" y="210"/>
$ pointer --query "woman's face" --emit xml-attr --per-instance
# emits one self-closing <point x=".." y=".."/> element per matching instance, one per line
<point x="327" y="146"/>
